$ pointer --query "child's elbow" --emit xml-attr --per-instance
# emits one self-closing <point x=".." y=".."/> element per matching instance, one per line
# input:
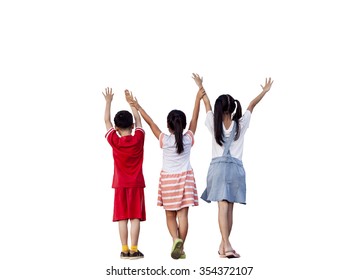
<point x="251" y="107"/>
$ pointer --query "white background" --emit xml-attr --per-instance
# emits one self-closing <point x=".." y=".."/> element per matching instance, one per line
<point x="300" y="150"/>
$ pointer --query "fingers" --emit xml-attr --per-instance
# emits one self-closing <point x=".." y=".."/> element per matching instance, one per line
<point x="202" y="92"/>
<point x="107" y="92"/>
<point x="268" y="84"/>
<point x="269" y="81"/>
<point x="133" y="100"/>
<point x="196" y="76"/>
<point x="129" y="96"/>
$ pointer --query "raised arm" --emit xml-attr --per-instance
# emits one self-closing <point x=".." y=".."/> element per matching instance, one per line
<point x="257" y="99"/>
<point x="155" y="129"/>
<point x="199" y="83"/>
<point x="207" y="103"/>
<point x="108" y="95"/>
<point x="137" y="119"/>
<point x="195" y="116"/>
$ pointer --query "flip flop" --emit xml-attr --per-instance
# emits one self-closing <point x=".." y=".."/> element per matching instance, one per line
<point x="177" y="249"/>
<point x="231" y="254"/>
<point x="221" y="255"/>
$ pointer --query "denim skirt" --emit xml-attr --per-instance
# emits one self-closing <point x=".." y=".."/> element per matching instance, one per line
<point x="226" y="180"/>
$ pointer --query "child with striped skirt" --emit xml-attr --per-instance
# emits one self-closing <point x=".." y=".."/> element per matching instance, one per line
<point x="177" y="189"/>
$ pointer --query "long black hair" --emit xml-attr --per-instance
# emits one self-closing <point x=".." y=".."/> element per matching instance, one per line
<point x="225" y="104"/>
<point x="177" y="122"/>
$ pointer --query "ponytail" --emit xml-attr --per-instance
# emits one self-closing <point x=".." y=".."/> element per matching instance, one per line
<point x="218" y="120"/>
<point x="178" y="133"/>
<point x="176" y="122"/>
<point x="237" y="116"/>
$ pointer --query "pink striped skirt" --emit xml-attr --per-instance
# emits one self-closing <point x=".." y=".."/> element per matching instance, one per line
<point x="177" y="191"/>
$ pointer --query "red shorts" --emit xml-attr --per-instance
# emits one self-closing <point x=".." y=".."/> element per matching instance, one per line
<point x="129" y="203"/>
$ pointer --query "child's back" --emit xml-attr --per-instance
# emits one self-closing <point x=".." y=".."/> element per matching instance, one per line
<point x="172" y="161"/>
<point x="128" y="158"/>
<point x="128" y="180"/>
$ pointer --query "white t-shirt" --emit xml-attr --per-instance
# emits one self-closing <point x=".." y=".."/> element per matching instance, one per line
<point x="237" y="146"/>
<point x="172" y="161"/>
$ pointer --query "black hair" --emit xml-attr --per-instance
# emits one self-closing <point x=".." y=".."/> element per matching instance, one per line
<point x="123" y="119"/>
<point x="225" y="104"/>
<point x="177" y="122"/>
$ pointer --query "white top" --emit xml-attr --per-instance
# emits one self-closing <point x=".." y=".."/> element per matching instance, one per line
<point x="237" y="146"/>
<point x="172" y="161"/>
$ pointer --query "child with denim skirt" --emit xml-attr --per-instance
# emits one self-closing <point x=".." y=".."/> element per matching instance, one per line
<point x="226" y="176"/>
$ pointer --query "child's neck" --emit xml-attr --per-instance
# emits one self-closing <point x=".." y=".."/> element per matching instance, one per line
<point x="125" y="132"/>
<point x="227" y="120"/>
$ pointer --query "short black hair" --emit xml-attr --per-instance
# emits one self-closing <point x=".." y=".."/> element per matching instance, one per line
<point x="123" y="119"/>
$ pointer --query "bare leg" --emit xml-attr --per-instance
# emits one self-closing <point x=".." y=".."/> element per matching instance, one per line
<point x="174" y="230"/>
<point x="172" y="223"/>
<point x="123" y="231"/>
<point x="225" y="225"/>
<point x="229" y="216"/>
<point x="135" y="229"/>
<point x="183" y="223"/>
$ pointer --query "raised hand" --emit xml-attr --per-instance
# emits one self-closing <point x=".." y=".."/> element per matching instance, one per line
<point x="129" y="96"/>
<point x="108" y="95"/>
<point x="257" y="99"/>
<point x="201" y="93"/>
<point x="198" y="80"/>
<point x="134" y="103"/>
<point x="267" y="86"/>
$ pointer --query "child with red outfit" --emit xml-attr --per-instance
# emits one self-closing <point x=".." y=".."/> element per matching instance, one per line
<point x="128" y="180"/>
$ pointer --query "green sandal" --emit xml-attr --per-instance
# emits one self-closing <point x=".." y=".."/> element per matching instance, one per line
<point x="182" y="256"/>
<point x="177" y="249"/>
